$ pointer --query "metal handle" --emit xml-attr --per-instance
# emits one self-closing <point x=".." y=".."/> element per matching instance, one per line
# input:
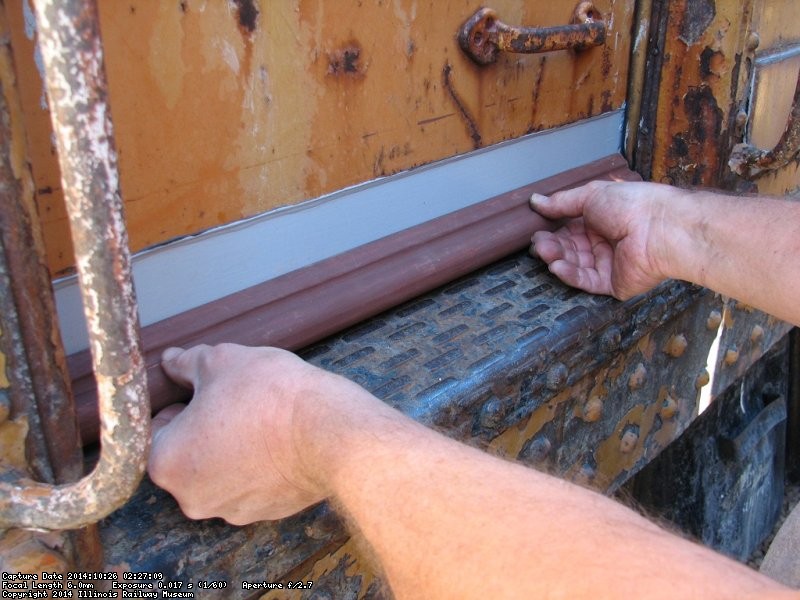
<point x="73" y="58"/>
<point x="751" y="162"/>
<point x="483" y="36"/>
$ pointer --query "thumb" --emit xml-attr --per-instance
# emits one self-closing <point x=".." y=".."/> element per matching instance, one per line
<point x="182" y="366"/>
<point x="566" y="203"/>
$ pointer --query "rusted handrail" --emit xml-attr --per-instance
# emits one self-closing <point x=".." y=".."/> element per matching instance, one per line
<point x="751" y="162"/>
<point x="483" y="36"/>
<point x="71" y="49"/>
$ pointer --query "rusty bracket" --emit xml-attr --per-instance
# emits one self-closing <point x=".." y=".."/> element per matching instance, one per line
<point x="69" y="39"/>
<point x="751" y="162"/>
<point x="483" y="36"/>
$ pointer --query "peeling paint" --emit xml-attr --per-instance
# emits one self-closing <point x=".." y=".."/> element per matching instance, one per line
<point x="698" y="16"/>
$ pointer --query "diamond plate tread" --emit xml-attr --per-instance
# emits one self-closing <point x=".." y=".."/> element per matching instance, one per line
<point x="438" y="357"/>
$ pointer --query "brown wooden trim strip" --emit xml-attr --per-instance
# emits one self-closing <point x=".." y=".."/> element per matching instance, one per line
<point x="296" y="309"/>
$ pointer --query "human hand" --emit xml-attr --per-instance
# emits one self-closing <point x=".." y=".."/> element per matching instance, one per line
<point x="613" y="242"/>
<point x="236" y="451"/>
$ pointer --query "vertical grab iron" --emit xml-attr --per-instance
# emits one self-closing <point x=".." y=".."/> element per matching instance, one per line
<point x="71" y="48"/>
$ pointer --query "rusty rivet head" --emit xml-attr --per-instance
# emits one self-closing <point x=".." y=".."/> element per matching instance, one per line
<point x="630" y="436"/>
<point x="586" y="474"/>
<point x="536" y="449"/>
<point x="557" y="377"/>
<point x="714" y="320"/>
<point x="676" y="345"/>
<point x="491" y="413"/>
<point x="753" y="41"/>
<point x="638" y="377"/>
<point x="611" y="339"/>
<point x="731" y="356"/>
<point x="593" y="409"/>
<point x="741" y="119"/>
<point x="756" y="334"/>
<point x="669" y="408"/>
<point x="702" y="380"/>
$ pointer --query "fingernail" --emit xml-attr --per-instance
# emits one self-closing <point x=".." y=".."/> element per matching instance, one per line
<point x="170" y="354"/>
<point x="538" y="200"/>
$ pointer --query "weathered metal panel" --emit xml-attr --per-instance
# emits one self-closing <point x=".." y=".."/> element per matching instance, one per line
<point x="227" y="109"/>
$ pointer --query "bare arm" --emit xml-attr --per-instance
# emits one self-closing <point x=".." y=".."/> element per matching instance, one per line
<point x="624" y="238"/>
<point x="267" y="435"/>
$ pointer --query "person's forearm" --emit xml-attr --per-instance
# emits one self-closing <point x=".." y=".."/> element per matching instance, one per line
<point x="745" y="248"/>
<point x="449" y="521"/>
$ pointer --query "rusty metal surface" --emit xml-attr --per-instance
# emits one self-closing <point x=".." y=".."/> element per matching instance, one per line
<point x="484" y="36"/>
<point x="73" y="58"/>
<point x="697" y="69"/>
<point x="506" y="358"/>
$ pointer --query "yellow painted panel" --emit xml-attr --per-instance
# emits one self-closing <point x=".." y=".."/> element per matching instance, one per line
<point x="772" y="101"/>
<point x="776" y="23"/>
<point x="223" y="110"/>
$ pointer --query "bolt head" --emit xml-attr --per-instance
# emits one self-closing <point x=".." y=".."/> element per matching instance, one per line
<point x="557" y="377"/>
<point x="593" y="409"/>
<point x="702" y="380"/>
<point x="731" y="356"/>
<point x="669" y="408"/>
<point x="638" y="377"/>
<point x="628" y="441"/>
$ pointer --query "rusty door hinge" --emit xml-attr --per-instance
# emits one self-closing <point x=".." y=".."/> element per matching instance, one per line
<point x="483" y="36"/>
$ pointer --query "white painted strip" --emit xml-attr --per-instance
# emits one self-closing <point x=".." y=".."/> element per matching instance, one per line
<point x="196" y="270"/>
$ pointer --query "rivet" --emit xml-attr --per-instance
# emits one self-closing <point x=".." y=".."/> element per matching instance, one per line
<point x="714" y="319"/>
<point x="676" y="345"/>
<point x="593" y="409"/>
<point x="741" y="119"/>
<point x="756" y="334"/>
<point x="669" y="408"/>
<point x="537" y="449"/>
<point x="753" y="41"/>
<point x="702" y="380"/>
<point x="611" y="339"/>
<point x="630" y="435"/>
<point x="638" y="377"/>
<point x="491" y="414"/>
<point x="731" y="356"/>
<point x="557" y="377"/>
